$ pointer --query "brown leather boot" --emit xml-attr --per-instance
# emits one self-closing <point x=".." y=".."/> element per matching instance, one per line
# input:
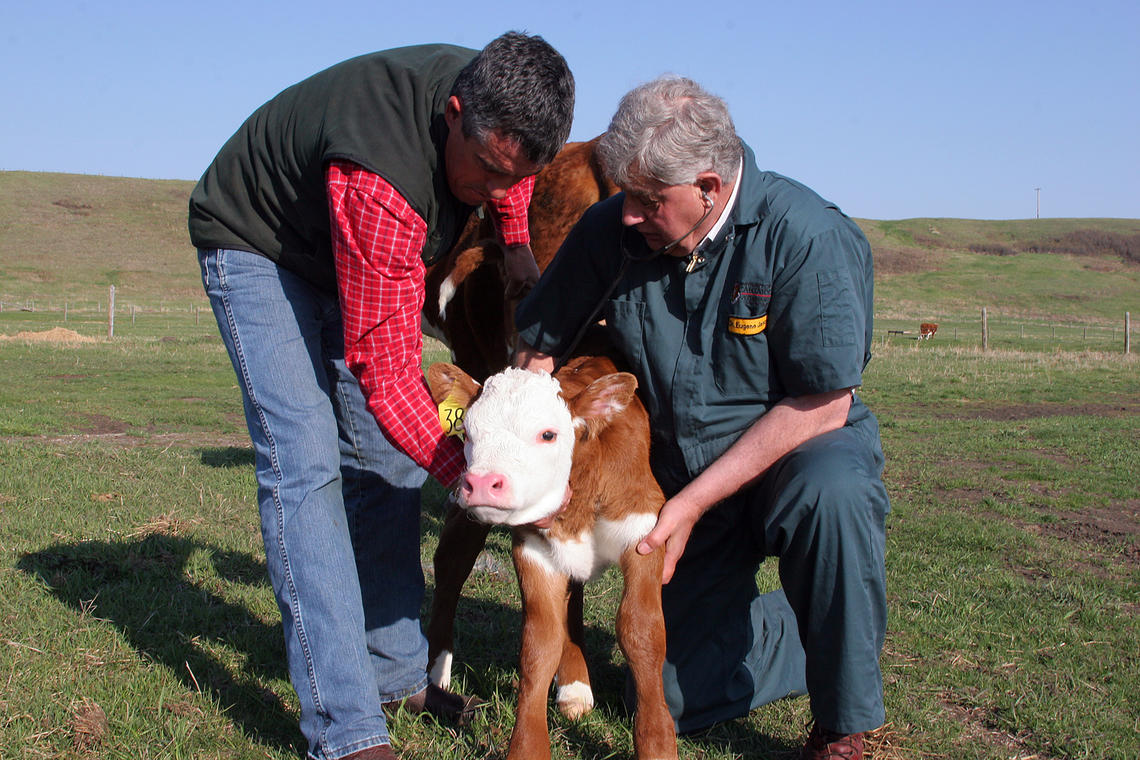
<point x="383" y="752"/>
<point x="829" y="745"/>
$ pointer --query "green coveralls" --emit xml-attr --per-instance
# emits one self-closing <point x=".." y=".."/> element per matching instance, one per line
<point x="780" y="306"/>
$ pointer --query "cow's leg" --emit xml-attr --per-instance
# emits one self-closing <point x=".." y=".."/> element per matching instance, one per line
<point x="641" y="635"/>
<point x="543" y="635"/>
<point x="460" y="541"/>
<point x="574" y="697"/>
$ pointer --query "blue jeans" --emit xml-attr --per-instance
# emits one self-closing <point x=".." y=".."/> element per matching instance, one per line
<point x="340" y="506"/>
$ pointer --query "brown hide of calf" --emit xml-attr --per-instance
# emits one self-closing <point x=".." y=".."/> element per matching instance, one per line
<point x="610" y="479"/>
<point x="478" y="322"/>
<point x="479" y="328"/>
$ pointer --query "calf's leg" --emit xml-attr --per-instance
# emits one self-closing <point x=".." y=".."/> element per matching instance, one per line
<point x="574" y="697"/>
<point x="460" y="541"/>
<point x="641" y="635"/>
<point x="543" y="638"/>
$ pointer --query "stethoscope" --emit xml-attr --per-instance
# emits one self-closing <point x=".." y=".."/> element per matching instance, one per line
<point x="627" y="257"/>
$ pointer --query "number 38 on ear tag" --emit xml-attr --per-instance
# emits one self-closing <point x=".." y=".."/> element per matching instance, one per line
<point x="451" y="417"/>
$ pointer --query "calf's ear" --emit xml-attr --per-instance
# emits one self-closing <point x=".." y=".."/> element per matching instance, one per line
<point x="603" y="400"/>
<point x="448" y="380"/>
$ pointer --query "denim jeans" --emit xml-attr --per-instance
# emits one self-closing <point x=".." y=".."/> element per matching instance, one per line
<point x="339" y="505"/>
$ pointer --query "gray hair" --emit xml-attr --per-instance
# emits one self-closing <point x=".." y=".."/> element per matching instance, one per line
<point x="670" y="130"/>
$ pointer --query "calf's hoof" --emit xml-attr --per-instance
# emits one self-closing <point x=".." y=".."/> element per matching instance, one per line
<point x="574" y="699"/>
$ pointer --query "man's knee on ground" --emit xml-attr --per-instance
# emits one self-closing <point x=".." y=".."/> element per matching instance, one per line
<point x="826" y="485"/>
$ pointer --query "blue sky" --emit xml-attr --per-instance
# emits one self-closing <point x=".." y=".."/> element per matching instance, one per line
<point x="891" y="109"/>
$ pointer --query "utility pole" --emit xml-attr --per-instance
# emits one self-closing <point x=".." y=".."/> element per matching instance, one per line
<point x="1038" y="201"/>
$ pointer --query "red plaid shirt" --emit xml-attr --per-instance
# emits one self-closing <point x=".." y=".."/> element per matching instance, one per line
<point x="377" y="240"/>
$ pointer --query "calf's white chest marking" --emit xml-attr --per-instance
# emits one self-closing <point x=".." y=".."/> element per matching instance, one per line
<point x="585" y="557"/>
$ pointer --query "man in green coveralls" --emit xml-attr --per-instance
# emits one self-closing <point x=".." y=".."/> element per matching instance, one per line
<point x="743" y="303"/>
<point x="314" y="225"/>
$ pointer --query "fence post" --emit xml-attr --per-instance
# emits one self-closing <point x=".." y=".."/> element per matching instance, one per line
<point x="111" y="314"/>
<point x="985" y="331"/>
<point x="1127" y="332"/>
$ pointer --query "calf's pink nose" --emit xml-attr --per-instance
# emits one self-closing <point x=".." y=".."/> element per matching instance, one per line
<point x="490" y="489"/>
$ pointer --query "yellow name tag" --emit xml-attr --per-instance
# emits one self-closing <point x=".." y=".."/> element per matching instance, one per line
<point x="747" y="325"/>
<point x="451" y="417"/>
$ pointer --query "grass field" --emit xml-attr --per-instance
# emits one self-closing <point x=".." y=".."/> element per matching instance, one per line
<point x="136" y="620"/>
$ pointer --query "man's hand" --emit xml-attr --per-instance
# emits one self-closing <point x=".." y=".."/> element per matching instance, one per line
<point x="521" y="269"/>
<point x="674" y="524"/>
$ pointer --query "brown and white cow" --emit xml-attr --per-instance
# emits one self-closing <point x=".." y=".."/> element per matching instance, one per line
<point x="564" y="461"/>
<point x="467" y="308"/>
<point x="926" y="330"/>
<point x="466" y="305"/>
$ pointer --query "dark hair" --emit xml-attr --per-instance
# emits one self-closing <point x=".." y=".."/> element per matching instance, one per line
<point x="521" y="87"/>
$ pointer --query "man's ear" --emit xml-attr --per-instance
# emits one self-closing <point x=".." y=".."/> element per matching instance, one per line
<point x="448" y="380"/>
<point x="710" y="183"/>
<point x="453" y="113"/>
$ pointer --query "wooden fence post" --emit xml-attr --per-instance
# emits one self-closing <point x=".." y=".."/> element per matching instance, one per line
<point x="985" y="331"/>
<point x="1127" y="332"/>
<point x="111" y="314"/>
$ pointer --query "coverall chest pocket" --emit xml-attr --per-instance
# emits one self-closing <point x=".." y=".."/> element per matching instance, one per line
<point x="740" y="342"/>
<point x="627" y="322"/>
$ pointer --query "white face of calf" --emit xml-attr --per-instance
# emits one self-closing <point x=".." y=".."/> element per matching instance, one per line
<point x="520" y="442"/>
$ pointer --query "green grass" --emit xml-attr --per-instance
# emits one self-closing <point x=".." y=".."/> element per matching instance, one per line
<point x="134" y="578"/>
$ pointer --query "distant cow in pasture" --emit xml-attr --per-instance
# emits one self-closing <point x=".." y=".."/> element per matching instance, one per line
<point x="564" y="461"/>
<point x="926" y="330"/>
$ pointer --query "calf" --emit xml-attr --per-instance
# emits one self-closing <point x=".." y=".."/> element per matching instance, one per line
<point x="926" y="330"/>
<point x="467" y="308"/>
<point x="564" y="461"/>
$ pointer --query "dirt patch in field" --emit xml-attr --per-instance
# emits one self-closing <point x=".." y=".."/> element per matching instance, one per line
<point x="1116" y="407"/>
<point x="110" y="434"/>
<point x="982" y="728"/>
<point x="101" y="424"/>
<point x="1110" y="531"/>
<point x="54" y="335"/>
<point x="1114" y="530"/>
<point x="891" y="259"/>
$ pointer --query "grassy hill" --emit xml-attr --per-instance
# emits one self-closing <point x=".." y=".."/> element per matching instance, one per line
<point x="68" y="237"/>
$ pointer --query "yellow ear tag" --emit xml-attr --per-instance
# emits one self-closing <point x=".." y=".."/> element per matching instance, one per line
<point x="451" y="417"/>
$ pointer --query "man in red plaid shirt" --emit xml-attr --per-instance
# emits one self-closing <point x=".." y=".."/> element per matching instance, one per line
<point x="314" y="225"/>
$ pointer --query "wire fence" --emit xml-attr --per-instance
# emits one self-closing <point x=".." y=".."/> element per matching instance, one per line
<point x="988" y="330"/>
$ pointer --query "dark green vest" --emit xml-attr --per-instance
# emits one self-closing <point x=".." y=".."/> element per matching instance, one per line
<point x="265" y="190"/>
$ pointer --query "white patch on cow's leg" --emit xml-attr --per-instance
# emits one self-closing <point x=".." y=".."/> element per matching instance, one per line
<point x="576" y="558"/>
<point x="615" y="536"/>
<point x="441" y="670"/>
<point x="574" y="699"/>
<point x="446" y="293"/>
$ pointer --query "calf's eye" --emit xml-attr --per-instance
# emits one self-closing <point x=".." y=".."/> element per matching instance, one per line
<point x="548" y="435"/>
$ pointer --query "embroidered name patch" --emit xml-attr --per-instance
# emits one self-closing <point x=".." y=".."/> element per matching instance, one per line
<point x="451" y="417"/>
<point x="747" y="325"/>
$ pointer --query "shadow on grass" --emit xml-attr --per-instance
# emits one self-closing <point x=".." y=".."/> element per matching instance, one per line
<point x="147" y="589"/>
<point x="228" y="456"/>
<point x="143" y="588"/>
